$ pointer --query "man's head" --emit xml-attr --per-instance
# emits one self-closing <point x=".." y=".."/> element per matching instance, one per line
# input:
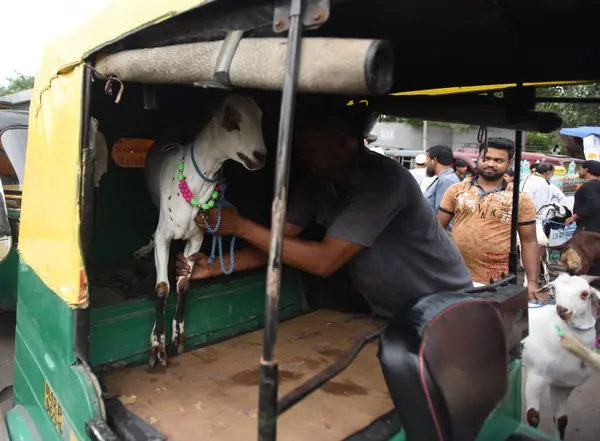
<point x="421" y="160"/>
<point x="494" y="158"/>
<point x="546" y="170"/>
<point x="533" y="168"/>
<point x="461" y="168"/>
<point x="439" y="158"/>
<point x="589" y="170"/>
<point x="509" y="176"/>
<point x="327" y="138"/>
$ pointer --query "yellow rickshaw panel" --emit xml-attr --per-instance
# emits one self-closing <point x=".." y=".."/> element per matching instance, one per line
<point x="49" y="234"/>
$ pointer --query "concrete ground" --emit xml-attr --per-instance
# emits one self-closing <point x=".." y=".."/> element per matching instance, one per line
<point x="584" y="404"/>
<point x="7" y="340"/>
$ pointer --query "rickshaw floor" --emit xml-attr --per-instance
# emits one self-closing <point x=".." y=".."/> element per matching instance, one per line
<point x="212" y="393"/>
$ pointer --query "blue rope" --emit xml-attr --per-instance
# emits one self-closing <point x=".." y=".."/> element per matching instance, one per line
<point x="219" y="239"/>
<point x="538" y="304"/>
<point x="211" y="181"/>
<point x="546" y="221"/>
<point x="213" y="231"/>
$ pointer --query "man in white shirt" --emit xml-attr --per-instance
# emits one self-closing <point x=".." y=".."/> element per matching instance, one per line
<point x="419" y="172"/>
<point x="537" y="187"/>
<point x="557" y="196"/>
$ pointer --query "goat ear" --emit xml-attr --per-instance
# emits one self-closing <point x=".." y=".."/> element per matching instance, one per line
<point x="546" y="287"/>
<point x="231" y="119"/>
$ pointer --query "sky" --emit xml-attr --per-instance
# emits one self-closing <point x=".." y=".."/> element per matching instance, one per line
<point x="28" y="25"/>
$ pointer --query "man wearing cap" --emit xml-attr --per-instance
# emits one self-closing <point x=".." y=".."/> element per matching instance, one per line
<point x="419" y="172"/>
<point x="378" y="225"/>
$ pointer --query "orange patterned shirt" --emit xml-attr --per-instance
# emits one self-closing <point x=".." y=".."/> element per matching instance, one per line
<point x="481" y="228"/>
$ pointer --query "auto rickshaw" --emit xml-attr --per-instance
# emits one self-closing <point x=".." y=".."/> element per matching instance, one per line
<point x="13" y="144"/>
<point x="86" y="306"/>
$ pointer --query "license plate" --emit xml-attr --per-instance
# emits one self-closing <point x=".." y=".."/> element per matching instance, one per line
<point x="53" y="408"/>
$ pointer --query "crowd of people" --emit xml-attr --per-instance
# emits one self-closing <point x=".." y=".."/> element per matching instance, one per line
<point x="477" y="204"/>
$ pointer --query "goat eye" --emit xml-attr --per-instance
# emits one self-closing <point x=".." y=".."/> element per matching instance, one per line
<point x="584" y="295"/>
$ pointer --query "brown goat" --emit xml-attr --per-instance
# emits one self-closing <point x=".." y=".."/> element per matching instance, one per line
<point x="581" y="252"/>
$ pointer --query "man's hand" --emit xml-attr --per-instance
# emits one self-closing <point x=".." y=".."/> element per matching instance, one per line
<point x="202" y="269"/>
<point x="570" y="220"/>
<point x="230" y="221"/>
<point x="532" y="291"/>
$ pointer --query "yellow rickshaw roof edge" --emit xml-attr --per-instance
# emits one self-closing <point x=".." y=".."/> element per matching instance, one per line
<point x="485" y="88"/>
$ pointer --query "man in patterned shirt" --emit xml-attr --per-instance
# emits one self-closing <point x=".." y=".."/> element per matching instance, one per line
<point x="482" y="211"/>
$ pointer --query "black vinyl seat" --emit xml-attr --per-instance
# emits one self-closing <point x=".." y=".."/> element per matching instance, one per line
<point x="445" y="364"/>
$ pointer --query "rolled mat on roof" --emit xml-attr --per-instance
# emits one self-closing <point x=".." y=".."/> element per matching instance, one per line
<point x="327" y="65"/>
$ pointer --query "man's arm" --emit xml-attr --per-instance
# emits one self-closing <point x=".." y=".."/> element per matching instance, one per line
<point x="245" y="259"/>
<point x="530" y="251"/>
<point x="444" y="218"/>
<point x="530" y="254"/>
<point x="319" y="258"/>
<point x="447" y="206"/>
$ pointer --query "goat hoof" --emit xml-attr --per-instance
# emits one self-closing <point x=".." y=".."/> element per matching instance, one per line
<point x="561" y="425"/>
<point x="176" y="347"/>
<point x="533" y="417"/>
<point x="159" y="355"/>
<point x="152" y="359"/>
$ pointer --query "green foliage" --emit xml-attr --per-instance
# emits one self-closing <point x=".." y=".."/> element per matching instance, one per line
<point x="541" y="142"/>
<point x="17" y="83"/>
<point x="573" y="115"/>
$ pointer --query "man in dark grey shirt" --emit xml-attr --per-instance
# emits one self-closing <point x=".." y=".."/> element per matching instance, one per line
<point x="377" y="222"/>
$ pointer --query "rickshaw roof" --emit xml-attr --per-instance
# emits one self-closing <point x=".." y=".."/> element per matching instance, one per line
<point x="9" y="118"/>
<point x="122" y="18"/>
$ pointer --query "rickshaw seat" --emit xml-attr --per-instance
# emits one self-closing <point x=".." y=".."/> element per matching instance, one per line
<point x="445" y="361"/>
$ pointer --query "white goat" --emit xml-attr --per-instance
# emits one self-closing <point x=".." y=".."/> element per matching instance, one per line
<point x="234" y="132"/>
<point x="547" y="363"/>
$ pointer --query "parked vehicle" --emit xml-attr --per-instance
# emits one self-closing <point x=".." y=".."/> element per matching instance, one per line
<point x="13" y="145"/>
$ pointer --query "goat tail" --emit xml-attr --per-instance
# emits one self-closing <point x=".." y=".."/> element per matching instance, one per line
<point x="144" y="250"/>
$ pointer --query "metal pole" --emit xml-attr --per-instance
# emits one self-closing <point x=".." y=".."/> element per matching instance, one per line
<point x="267" y="401"/>
<point x="424" y="136"/>
<point x="514" y="258"/>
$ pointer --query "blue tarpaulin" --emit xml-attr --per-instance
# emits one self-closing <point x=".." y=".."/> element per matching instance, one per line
<point x="581" y="132"/>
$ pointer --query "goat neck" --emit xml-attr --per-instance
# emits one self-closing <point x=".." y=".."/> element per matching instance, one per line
<point x="583" y="322"/>
<point x="208" y="151"/>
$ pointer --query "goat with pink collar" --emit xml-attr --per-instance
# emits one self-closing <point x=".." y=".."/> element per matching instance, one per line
<point x="184" y="182"/>
<point x="547" y="362"/>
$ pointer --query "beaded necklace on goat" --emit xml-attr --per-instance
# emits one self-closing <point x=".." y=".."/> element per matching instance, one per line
<point x="214" y="201"/>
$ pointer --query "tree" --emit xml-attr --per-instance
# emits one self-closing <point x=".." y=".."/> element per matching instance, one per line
<point x="17" y="83"/>
<point x="573" y="115"/>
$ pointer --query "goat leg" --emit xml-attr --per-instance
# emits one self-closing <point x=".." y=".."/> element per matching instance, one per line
<point x="558" y="398"/>
<point x="158" y="350"/>
<point x="177" y="345"/>
<point x="534" y="388"/>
